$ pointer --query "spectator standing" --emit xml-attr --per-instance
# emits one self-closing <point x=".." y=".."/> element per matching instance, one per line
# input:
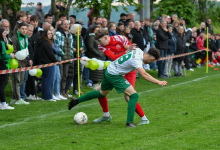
<point x="154" y="28"/>
<point x="83" y="32"/>
<point x="72" y="20"/>
<point x="21" y="17"/>
<point x="162" y="44"/>
<point x="5" y="24"/>
<point x="4" y="57"/>
<point x="174" y="18"/>
<point x="48" y="18"/>
<point x="94" y="52"/>
<point x="59" y="8"/>
<point x="30" y="90"/>
<point x="170" y="52"/>
<point x="176" y="25"/>
<point x="112" y="29"/>
<point x="40" y="14"/>
<point x="181" y="44"/>
<point x="82" y="50"/>
<point x="20" y="43"/>
<point x="201" y="28"/>
<point x="131" y="24"/>
<point x="127" y="34"/>
<point x="123" y="18"/>
<point x="168" y="20"/>
<point x="208" y="24"/>
<point x="46" y="56"/>
<point x="28" y="18"/>
<point x="120" y="28"/>
<point x="138" y="35"/>
<point x="104" y="23"/>
<point x="64" y="40"/>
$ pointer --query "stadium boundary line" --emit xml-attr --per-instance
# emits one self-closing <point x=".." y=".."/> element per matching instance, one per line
<point x="113" y="99"/>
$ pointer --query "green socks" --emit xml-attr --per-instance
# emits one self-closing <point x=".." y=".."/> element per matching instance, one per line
<point x="89" y="96"/>
<point x="131" y="107"/>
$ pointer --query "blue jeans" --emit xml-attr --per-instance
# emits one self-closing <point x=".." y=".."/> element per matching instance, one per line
<point x="47" y="82"/>
<point x="56" y="80"/>
<point x="153" y="65"/>
<point x="86" y="72"/>
<point x="22" y="88"/>
<point x="161" y="64"/>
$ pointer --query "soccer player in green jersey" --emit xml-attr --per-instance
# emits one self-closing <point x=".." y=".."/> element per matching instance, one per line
<point x="113" y="78"/>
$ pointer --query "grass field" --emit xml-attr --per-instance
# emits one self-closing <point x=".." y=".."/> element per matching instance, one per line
<point x="183" y="115"/>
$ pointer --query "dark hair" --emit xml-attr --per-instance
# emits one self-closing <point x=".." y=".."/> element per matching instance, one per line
<point x="20" y="14"/>
<point x="45" y="36"/>
<point x="193" y="26"/>
<point x="100" y="33"/>
<point x="98" y="17"/>
<point x="169" y="25"/>
<point x="1" y="31"/>
<point x="150" y="20"/>
<point x="130" y="21"/>
<point x="123" y="14"/>
<point x="73" y="16"/>
<point x="62" y="15"/>
<point x="120" y="24"/>
<point x="63" y="21"/>
<point x="48" y="15"/>
<point x="34" y="18"/>
<point x="22" y="24"/>
<point x="98" y="24"/>
<point x="93" y="29"/>
<point x="154" y="52"/>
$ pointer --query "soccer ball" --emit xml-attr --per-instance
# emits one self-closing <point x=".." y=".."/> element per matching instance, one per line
<point x="80" y="118"/>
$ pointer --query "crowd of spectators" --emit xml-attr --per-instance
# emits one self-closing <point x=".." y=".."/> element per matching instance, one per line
<point x="48" y="41"/>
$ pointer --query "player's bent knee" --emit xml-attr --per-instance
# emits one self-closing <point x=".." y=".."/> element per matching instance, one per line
<point x="135" y="96"/>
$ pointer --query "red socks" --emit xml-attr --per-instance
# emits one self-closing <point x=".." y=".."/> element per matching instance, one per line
<point x="215" y="61"/>
<point x="104" y="103"/>
<point x="139" y="110"/>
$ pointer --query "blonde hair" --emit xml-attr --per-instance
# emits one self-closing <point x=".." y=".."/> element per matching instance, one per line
<point x="110" y="25"/>
<point x="74" y="27"/>
<point x="202" y="23"/>
<point x="176" y="21"/>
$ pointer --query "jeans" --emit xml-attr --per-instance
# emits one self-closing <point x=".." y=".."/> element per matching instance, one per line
<point x="86" y="72"/>
<point x="161" y="64"/>
<point x="137" y="73"/>
<point x="56" y="80"/>
<point x="177" y="67"/>
<point x="168" y="65"/>
<point x="47" y="83"/>
<point x="22" y="88"/>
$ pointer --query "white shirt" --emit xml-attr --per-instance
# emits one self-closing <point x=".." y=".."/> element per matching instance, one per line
<point x="126" y="63"/>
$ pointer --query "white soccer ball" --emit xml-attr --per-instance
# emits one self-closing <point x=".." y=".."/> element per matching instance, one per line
<point x="80" y="118"/>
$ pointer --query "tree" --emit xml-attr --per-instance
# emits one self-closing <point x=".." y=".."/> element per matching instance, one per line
<point x="103" y="7"/>
<point x="183" y="8"/>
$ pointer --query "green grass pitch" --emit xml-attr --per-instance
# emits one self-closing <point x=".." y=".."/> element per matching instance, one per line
<point x="183" y="115"/>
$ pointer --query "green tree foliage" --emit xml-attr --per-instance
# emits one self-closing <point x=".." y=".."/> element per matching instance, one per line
<point x="103" y="7"/>
<point x="183" y="8"/>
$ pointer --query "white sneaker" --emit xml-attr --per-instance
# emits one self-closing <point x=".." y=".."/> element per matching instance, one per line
<point x="6" y="107"/>
<point x="21" y="101"/>
<point x="55" y="98"/>
<point x="69" y="95"/>
<point x="51" y="100"/>
<point x="95" y="86"/>
<point x="190" y="69"/>
<point x="61" y="97"/>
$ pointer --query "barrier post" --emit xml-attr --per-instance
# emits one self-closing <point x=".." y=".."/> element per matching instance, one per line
<point x="207" y="53"/>
<point x="78" y="60"/>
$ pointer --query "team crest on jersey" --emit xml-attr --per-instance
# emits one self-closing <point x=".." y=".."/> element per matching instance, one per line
<point x="118" y="46"/>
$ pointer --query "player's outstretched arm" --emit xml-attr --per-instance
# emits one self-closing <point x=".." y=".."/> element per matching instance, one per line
<point x="148" y="77"/>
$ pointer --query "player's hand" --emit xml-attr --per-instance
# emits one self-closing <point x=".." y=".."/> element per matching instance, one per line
<point x="12" y="55"/>
<point x="74" y="49"/>
<point x="163" y="83"/>
<point x="131" y="47"/>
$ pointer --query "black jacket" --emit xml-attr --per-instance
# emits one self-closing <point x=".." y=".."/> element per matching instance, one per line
<point x="30" y="49"/>
<point x="193" y="46"/>
<point x="212" y="45"/>
<point x="172" y="45"/>
<point x="146" y="34"/>
<point x="138" y="37"/>
<point x="124" y="21"/>
<point x="181" y="45"/>
<point x="200" y="30"/>
<point x="210" y="28"/>
<point x="93" y="50"/>
<point x="162" y="38"/>
<point x="35" y="36"/>
<point x="189" y="36"/>
<point x="45" y="52"/>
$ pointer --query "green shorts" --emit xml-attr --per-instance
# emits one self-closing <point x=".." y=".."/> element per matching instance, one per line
<point x="114" y="81"/>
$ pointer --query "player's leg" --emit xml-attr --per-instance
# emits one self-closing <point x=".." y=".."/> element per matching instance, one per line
<point x="131" y="78"/>
<point x="133" y="98"/>
<point x="104" y="104"/>
<point x="88" y="96"/>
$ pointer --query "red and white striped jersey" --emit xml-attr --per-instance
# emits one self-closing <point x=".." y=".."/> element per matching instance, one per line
<point x="115" y="47"/>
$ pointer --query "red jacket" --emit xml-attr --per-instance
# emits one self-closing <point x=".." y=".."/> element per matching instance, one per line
<point x="115" y="47"/>
<point x="200" y="43"/>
